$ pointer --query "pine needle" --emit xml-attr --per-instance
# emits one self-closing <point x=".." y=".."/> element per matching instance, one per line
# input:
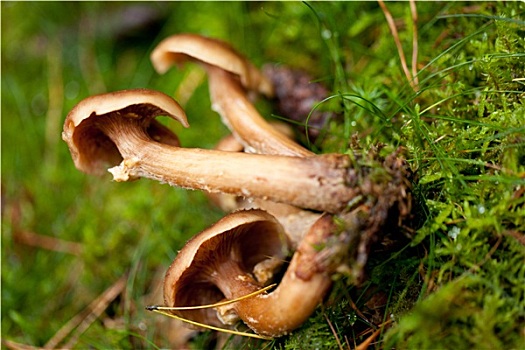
<point x="210" y="306"/>
<point x="162" y="310"/>
<point x="395" y="35"/>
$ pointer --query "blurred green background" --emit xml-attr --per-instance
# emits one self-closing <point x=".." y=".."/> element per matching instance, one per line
<point x="68" y="237"/>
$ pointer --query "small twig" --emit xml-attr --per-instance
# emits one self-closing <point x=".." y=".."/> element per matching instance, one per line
<point x="360" y="314"/>
<point x="365" y="344"/>
<point x="520" y="237"/>
<point x="85" y="318"/>
<point x="487" y="256"/>
<point x="18" y="346"/>
<point x="393" y="30"/>
<point x="347" y="342"/>
<point x="333" y="331"/>
<point x="47" y="242"/>
<point x="440" y="138"/>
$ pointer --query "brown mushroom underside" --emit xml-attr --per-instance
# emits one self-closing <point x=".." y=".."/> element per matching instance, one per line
<point x="228" y="250"/>
<point x="323" y="183"/>
<point x="231" y="77"/>
<point x="219" y="264"/>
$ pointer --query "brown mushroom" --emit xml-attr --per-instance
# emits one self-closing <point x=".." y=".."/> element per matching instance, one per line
<point x="230" y="75"/>
<point x="181" y="47"/>
<point x="119" y="127"/>
<point x="219" y="264"/>
<point x="295" y="221"/>
<point x="92" y="149"/>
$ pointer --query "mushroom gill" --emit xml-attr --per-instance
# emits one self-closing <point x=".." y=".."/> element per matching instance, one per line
<point x="220" y="262"/>
<point x="124" y="128"/>
<point x="230" y="76"/>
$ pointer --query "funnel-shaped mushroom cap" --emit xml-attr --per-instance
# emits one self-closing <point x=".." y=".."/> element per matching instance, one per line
<point x="180" y="48"/>
<point x="91" y="149"/>
<point x="240" y="240"/>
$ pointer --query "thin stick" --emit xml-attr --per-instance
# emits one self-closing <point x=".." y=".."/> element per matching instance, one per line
<point x="84" y="319"/>
<point x="520" y="237"/>
<point x="347" y="342"/>
<point x="18" y="346"/>
<point x="364" y="345"/>
<point x="48" y="242"/>
<point x="413" y="11"/>
<point x="160" y="310"/>
<point x="333" y="331"/>
<point x="224" y="330"/>
<point x="393" y="30"/>
<point x="360" y="314"/>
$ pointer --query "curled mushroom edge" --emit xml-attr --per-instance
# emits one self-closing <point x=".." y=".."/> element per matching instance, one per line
<point x="125" y="131"/>
<point x="283" y="197"/>
<point x="231" y="77"/>
<point x="222" y="261"/>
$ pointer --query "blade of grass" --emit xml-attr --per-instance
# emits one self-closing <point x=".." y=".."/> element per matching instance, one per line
<point x="395" y="35"/>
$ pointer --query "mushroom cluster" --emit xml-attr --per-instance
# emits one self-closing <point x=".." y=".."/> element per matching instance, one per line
<point x="325" y="210"/>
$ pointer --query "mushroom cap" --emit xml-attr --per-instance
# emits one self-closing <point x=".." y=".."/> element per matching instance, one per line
<point x="180" y="48"/>
<point x="91" y="149"/>
<point x="247" y="236"/>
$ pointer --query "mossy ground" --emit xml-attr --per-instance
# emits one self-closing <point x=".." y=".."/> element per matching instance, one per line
<point x="457" y="281"/>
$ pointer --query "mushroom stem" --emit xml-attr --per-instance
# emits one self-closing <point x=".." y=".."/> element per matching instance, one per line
<point x="316" y="182"/>
<point x="121" y="128"/>
<point x="302" y="288"/>
<point x="231" y="76"/>
<point x="230" y="100"/>
<point x="306" y="281"/>
<point x="304" y="285"/>
<point x="295" y="221"/>
<point x="284" y="309"/>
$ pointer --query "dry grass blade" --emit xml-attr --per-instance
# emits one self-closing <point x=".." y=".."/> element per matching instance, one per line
<point x="395" y="35"/>
<point x="519" y="236"/>
<point x="18" y="346"/>
<point x="213" y="328"/>
<point x="333" y="332"/>
<point x="366" y="343"/>
<point x="47" y="242"/>
<point x="189" y="84"/>
<point x="415" y="45"/>
<point x="161" y="310"/>
<point x="84" y="319"/>
<point x="211" y="306"/>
